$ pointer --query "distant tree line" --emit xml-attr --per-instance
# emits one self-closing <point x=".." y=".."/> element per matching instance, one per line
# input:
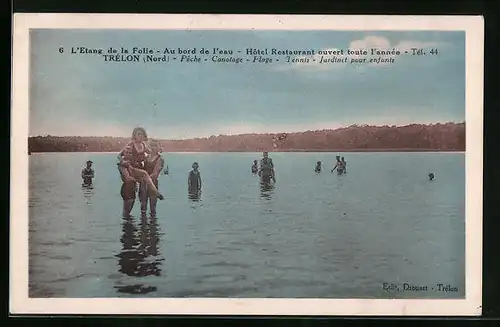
<point x="416" y="137"/>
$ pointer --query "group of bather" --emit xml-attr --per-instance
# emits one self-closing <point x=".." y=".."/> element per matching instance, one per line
<point x="266" y="169"/>
<point x="140" y="163"/>
<point x="340" y="166"/>
<point x="267" y="173"/>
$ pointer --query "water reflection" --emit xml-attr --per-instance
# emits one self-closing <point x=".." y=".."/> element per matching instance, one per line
<point x="88" y="191"/>
<point x="140" y="255"/>
<point x="194" y="196"/>
<point x="266" y="190"/>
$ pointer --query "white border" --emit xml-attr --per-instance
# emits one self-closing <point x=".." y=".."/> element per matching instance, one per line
<point x="21" y="304"/>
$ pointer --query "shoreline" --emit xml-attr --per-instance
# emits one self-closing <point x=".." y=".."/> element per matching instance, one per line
<point x="448" y="137"/>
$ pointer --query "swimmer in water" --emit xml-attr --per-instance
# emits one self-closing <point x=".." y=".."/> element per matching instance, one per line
<point x="318" y="167"/>
<point x="266" y="171"/>
<point x="153" y="165"/>
<point x="136" y="163"/>
<point x="431" y="176"/>
<point x="88" y="174"/>
<point x="255" y="167"/>
<point x="194" y="180"/>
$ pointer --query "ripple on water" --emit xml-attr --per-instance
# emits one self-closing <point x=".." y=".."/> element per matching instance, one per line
<point x="289" y="268"/>
<point x="58" y="257"/>
<point x="107" y="258"/>
<point x="246" y="243"/>
<point x="230" y="249"/>
<point x="328" y="238"/>
<point x="69" y="278"/>
<point x="280" y="283"/>
<point x="115" y="276"/>
<point x="208" y="252"/>
<point x="220" y="278"/>
<point x="214" y="292"/>
<point x="224" y="264"/>
<point x="37" y="291"/>
<point x="135" y="289"/>
<point x="55" y="243"/>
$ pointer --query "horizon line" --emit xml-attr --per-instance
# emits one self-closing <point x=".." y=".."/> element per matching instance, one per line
<point x="267" y="133"/>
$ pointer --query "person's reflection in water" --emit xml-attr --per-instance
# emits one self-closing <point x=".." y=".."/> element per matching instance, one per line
<point x="129" y="257"/>
<point x="266" y="190"/>
<point x="148" y="247"/>
<point x="88" y="191"/>
<point x="140" y="255"/>
<point x="194" y="196"/>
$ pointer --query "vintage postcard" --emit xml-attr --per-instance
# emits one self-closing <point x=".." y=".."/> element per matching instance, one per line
<point x="246" y="165"/>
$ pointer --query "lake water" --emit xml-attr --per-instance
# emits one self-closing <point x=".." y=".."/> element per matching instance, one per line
<point x="312" y="235"/>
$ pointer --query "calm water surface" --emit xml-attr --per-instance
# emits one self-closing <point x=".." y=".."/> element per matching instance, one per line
<point x="311" y="235"/>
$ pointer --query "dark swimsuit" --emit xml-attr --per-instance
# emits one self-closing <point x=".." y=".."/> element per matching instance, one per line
<point x="193" y="185"/>
<point x="139" y="159"/>
<point x="266" y="174"/>
<point x="267" y="162"/>
<point x="128" y="189"/>
<point x="340" y="168"/>
<point x="87" y="180"/>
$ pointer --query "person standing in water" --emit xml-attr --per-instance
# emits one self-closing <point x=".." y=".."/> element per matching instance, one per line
<point x="153" y="165"/>
<point x="255" y="167"/>
<point x="88" y="174"/>
<point x="338" y="166"/>
<point x="194" y="180"/>
<point x="318" y="167"/>
<point x="129" y="186"/>
<point x="431" y="176"/>
<point x="136" y="164"/>
<point x="344" y="165"/>
<point x="266" y="171"/>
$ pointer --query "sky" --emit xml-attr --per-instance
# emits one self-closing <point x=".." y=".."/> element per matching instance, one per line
<point x="82" y="95"/>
